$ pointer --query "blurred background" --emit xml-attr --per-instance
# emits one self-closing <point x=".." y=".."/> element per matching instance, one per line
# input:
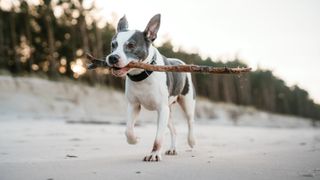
<point x="43" y="40"/>
<point x="60" y="121"/>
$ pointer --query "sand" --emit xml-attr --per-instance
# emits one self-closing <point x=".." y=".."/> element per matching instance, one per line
<point x="56" y="150"/>
<point x="233" y="142"/>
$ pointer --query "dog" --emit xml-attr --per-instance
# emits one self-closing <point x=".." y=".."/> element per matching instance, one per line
<point x="155" y="91"/>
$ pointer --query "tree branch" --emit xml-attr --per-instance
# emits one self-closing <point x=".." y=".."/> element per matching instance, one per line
<point x="175" y="68"/>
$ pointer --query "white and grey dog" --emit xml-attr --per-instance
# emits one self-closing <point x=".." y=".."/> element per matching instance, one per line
<point x="155" y="91"/>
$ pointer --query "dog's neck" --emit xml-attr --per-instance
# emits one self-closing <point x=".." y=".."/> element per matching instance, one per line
<point x="152" y="52"/>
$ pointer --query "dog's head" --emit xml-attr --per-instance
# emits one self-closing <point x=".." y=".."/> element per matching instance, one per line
<point x="131" y="45"/>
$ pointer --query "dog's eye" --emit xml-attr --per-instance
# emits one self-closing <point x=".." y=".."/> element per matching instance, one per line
<point x="114" y="45"/>
<point x="131" y="45"/>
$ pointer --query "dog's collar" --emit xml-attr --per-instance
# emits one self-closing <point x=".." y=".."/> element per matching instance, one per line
<point x="144" y="74"/>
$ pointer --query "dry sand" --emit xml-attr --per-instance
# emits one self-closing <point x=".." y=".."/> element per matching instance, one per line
<point x="37" y="143"/>
<point x="46" y="149"/>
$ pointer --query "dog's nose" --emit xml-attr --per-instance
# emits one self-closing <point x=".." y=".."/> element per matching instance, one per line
<point x="114" y="59"/>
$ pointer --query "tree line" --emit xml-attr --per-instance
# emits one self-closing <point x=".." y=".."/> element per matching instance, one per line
<point x="50" y="38"/>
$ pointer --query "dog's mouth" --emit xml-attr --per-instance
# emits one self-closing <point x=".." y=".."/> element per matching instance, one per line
<point x="116" y="68"/>
<point x="119" y="72"/>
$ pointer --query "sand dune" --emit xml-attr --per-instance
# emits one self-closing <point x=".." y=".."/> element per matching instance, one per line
<point x="36" y="98"/>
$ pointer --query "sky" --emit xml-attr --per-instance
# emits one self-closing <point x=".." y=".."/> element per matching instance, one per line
<point x="280" y="35"/>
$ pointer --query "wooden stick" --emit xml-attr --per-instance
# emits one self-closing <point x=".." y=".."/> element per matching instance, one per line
<point x="175" y="68"/>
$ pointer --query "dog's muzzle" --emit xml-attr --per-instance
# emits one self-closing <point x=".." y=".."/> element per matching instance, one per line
<point x="113" y="61"/>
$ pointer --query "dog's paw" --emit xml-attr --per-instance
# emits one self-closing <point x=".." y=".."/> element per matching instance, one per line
<point x="131" y="138"/>
<point x="191" y="141"/>
<point x="154" y="156"/>
<point x="171" y="152"/>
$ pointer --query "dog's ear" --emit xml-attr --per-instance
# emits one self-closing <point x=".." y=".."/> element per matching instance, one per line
<point x="122" y="24"/>
<point x="152" y="28"/>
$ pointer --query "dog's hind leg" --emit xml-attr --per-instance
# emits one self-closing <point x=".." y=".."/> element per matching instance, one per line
<point x="187" y="104"/>
<point x="173" y="133"/>
<point x="133" y="112"/>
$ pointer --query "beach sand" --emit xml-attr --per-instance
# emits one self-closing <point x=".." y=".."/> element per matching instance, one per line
<point x="55" y="150"/>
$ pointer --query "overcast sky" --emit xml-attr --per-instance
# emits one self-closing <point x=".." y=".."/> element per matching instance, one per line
<point x="281" y="35"/>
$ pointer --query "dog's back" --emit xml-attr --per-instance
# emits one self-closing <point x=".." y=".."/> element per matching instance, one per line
<point x="177" y="82"/>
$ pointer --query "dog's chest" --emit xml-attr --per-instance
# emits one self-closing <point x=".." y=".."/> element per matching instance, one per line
<point x="150" y="93"/>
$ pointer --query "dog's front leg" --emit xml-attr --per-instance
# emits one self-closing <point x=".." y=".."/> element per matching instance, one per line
<point x="133" y="112"/>
<point x="163" y="116"/>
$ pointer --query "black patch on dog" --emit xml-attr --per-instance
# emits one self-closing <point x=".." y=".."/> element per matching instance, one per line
<point x="194" y="92"/>
<point x="175" y="81"/>
<point x="141" y="48"/>
<point x="185" y="89"/>
<point x="113" y="40"/>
